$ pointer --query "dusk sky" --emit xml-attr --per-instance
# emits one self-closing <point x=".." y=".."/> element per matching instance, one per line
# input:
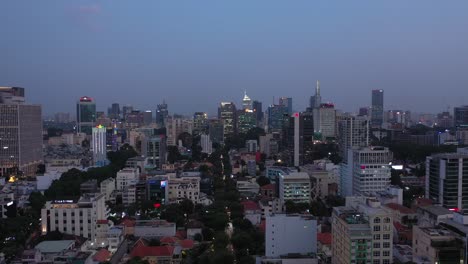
<point x="195" y="54"/>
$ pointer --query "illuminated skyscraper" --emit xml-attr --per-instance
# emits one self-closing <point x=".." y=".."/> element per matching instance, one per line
<point x="85" y="114"/>
<point x="227" y="114"/>
<point x="200" y="123"/>
<point x="99" y="144"/>
<point x="246" y="102"/>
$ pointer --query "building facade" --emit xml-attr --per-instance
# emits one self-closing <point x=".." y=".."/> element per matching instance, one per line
<point x="290" y="234"/>
<point x="377" y="110"/>
<point x="85" y="114"/>
<point x="20" y="133"/>
<point x="447" y="180"/>
<point x="74" y="217"/>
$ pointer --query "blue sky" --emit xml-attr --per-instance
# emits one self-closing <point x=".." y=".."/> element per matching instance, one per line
<point x="195" y="54"/>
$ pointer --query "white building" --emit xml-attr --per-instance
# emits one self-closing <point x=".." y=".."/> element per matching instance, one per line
<point x="107" y="187"/>
<point x="290" y="234"/>
<point x="353" y="133"/>
<point x="183" y="188"/>
<point x="265" y="143"/>
<point x="206" y="144"/>
<point x="74" y="218"/>
<point x="129" y="195"/>
<point x="126" y="177"/>
<point x="115" y="236"/>
<point x="371" y="170"/>
<point x="154" y="229"/>
<point x="99" y="146"/>
<point x="251" y="145"/>
<point x="294" y="187"/>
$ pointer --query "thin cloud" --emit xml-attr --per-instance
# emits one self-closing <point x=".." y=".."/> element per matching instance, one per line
<point x="88" y="17"/>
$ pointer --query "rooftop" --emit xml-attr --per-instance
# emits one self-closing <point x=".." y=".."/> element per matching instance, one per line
<point x="153" y="223"/>
<point x="55" y="246"/>
<point x="435" y="210"/>
<point x="398" y="207"/>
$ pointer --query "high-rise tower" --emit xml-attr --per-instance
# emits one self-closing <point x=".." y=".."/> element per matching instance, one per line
<point x="316" y="100"/>
<point x="85" y="114"/>
<point x="377" y="108"/>
<point x="246" y="102"/>
<point x="20" y="133"/>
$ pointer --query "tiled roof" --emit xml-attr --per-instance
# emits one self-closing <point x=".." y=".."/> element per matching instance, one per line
<point x="400" y="208"/>
<point x="169" y="240"/>
<point x="270" y="186"/>
<point x="250" y="206"/>
<point x="157" y="251"/>
<point x="324" y="238"/>
<point x="101" y="256"/>
<point x="186" y="243"/>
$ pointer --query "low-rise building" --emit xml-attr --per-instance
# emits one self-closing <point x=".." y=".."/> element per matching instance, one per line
<point x="270" y="206"/>
<point x="432" y="215"/>
<point x="154" y="228"/>
<point x="183" y="188"/>
<point x="248" y="187"/>
<point x="107" y="187"/>
<point x="362" y="232"/>
<point x="252" y="212"/>
<point x="126" y="177"/>
<point x="74" y="217"/>
<point x="115" y="236"/>
<point x="436" y="245"/>
<point x="295" y="187"/>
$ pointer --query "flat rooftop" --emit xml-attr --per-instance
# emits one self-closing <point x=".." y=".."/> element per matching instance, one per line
<point x="54" y="246"/>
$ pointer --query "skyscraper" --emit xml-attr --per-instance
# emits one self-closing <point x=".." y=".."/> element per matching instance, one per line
<point x="114" y="111"/>
<point x="257" y="107"/>
<point x="200" y="123"/>
<point x="216" y="131"/>
<point x="20" y="133"/>
<point x="147" y="117"/>
<point x="246" y="102"/>
<point x="161" y="114"/>
<point x="246" y="120"/>
<point x="377" y="111"/>
<point x="85" y="114"/>
<point x="126" y="110"/>
<point x="446" y="177"/>
<point x="324" y="120"/>
<point x="286" y="102"/>
<point x="353" y="134"/>
<point x="99" y="143"/>
<point x="227" y="114"/>
<point x="316" y="100"/>
<point x="278" y="117"/>
<point x="460" y="115"/>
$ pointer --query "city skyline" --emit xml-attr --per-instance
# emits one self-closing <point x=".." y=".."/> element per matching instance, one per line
<point x="125" y="53"/>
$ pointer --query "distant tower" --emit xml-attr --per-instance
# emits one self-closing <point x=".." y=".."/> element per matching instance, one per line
<point x="377" y="108"/>
<point x="316" y="100"/>
<point x="85" y="114"/>
<point x="161" y="114"/>
<point x="286" y="102"/>
<point x="246" y="102"/>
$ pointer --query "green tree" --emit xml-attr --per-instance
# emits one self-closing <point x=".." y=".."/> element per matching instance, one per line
<point x="262" y="181"/>
<point x="221" y="240"/>
<point x="173" y="154"/>
<point x="37" y="201"/>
